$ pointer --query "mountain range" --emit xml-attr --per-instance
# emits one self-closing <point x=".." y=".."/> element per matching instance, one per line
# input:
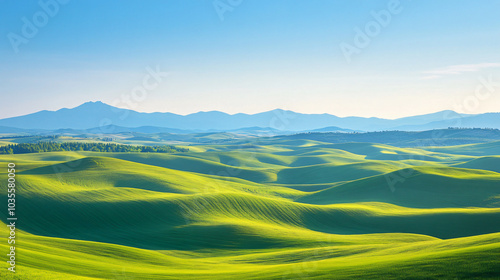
<point x="100" y="116"/>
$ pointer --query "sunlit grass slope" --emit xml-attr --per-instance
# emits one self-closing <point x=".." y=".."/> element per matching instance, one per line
<point x="421" y="187"/>
<point x="463" y="258"/>
<point x="491" y="163"/>
<point x="293" y="210"/>
<point x="481" y="149"/>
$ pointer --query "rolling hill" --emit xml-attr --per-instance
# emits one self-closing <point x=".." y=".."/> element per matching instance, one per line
<point x="288" y="210"/>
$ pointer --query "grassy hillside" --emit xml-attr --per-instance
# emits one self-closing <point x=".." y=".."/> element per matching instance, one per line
<point x="421" y="187"/>
<point x="402" y="138"/>
<point x="491" y="163"/>
<point x="292" y="210"/>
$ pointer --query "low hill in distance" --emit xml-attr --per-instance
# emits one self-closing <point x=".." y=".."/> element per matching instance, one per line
<point x="430" y="138"/>
<point x="436" y="137"/>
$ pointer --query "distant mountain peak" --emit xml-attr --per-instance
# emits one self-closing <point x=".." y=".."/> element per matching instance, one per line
<point x="93" y="114"/>
<point x="94" y="106"/>
<point x="93" y="103"/>
<point x="211" y="112"/>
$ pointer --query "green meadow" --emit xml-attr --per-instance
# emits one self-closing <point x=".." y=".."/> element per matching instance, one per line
<point x="288" y="209"/>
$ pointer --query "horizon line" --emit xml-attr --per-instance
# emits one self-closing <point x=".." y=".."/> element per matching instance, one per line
<point x="250" y="114"/>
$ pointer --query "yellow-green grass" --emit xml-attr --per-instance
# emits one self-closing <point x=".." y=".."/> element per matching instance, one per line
<point x="200" y="206"/>
<point x="293" y="210"/>
<point x="422" y="187"/>
<point x="491" y="163"/>
<point x="330" y="173"/>
<point x="378" y="151"/>
<point x="5" y="142"/>
<point x="481" y="149"/>
<point x="462" y="258"/>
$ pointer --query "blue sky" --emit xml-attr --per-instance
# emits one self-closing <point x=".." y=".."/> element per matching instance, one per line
<point x="252" y="56"/>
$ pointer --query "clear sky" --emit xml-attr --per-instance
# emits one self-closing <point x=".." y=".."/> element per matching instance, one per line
<point x="351" y="57"/>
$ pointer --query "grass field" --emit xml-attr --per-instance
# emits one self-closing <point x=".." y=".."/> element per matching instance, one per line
<point x="293" y="209"/>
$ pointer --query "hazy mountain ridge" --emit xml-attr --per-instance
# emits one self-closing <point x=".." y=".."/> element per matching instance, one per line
<point x="92" y="115"/>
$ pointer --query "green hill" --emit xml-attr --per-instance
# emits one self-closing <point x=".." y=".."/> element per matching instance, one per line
<point x="293" y="210"/>
<point x="420" y="187"/>
<point x="484" y="163"/>
<point x="329" y="173"/>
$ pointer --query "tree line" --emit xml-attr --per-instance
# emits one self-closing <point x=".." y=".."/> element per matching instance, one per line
<point x="41" y="147"/>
